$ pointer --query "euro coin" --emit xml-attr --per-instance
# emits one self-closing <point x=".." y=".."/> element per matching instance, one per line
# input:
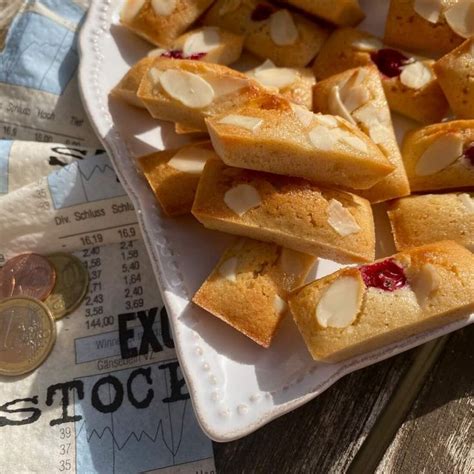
<point x="27" y="335"/>
<point x="28" y="274"/>
<point x="72" y="281"/>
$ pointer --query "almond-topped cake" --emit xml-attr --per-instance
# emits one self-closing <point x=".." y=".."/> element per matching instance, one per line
<point x="456" y="78"/>
<point x="357" y="310"/>
<point x="340" y="12"/>
<point x="296" y="84"/>
<point x="173" y="175"/>
<point x="187" y="91"/>
<point x="440" y="156"/>
<point x="271" y="32"/>
<point x="161" y="21"/>
<point x="419" y="220"/>
<point x="288" y="211"/>
<point x="271" y="134"/>
<point x="128" y="86"/>
<point x="208" y="43"/>
<point x="249" y="286"/>
<point x="409" y="81"/>
<point x="357" y="95"/>
<point x="434" y="26"/>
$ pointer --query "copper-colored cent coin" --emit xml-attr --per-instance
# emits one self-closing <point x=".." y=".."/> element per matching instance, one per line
<point x="28" y="274"/>
<point x="72" y="281"/>
<point x="27" y="335"/>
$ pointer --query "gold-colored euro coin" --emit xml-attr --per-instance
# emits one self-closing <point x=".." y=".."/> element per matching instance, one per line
<point x="27" y="334"/>
<point x="72" y="281"/>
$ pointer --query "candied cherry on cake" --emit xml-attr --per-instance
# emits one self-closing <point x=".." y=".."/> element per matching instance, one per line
<point x="262" y="11"/>
<point x="469" y="153"/>
<point x="386" y="275"/>
<point x="389" y="61"/>
<point x="178" y="54"/>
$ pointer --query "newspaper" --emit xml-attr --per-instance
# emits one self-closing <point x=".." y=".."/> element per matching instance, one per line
<point x="110" y="398"/>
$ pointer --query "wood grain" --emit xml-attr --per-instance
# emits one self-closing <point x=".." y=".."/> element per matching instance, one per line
<point x="438" y="434"/>
<point x="323" y="435"/>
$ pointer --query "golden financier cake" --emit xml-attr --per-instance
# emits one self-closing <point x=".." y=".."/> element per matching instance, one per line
<point x="338" y="12"/>
<point x="296" y="84"/>
<point x="249" y="286"/>
<point x="409" y="82"/>
<point x="161" y="21"/>
<point x="271" y="134"/>
<point x="187" y="91"/>
<point x="173" y="175"/>
<point x="434" y="26"/>
<point x="291" y="212"/>
<point x="208" y="43"/>
<point x="357" y="310"/>
<point x="455" y="72"/>
<point x="357" y="95"/>
<point x="271" y="32"/>
<point x="440" y="156"/>
<point x="419" y="220"/>
<point x="127" y="88"/>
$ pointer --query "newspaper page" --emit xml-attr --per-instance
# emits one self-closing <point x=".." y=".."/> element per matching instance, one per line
<point x="110" y="398"/>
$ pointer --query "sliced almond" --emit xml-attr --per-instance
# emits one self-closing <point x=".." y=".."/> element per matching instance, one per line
<point x="283" y="30"/>
<point x="368" y="44"/>
<point x="190" y="159"/>
<point x="229" y="6"/>
<point x="190" y="89"/>
<point x="322" y="138"/>
<point x="279" y="304"/>
<point x="326" y="120"/>
<point x="304" y="115"/>
<point x="369" y="114"/>
<point x="202" y="41"/>
<point x="156" y="52"/>
<point x="224" y="85"/>
<point x="379" y="133"/>
<point x="278" y="77"/>
<point x="425" y="282"/>
<point x="154" y="74"/>
<point x="163" y="7"/>
<point x="131" y="9"/>
<point x="336" y="105"/>
<point x="440" y="154"/>
<point x="416" y="75"/>
<point x="355" y="97"/>
<point x="340" y="219"/>
<point x="468" y="202"/>
<point x="460" y="18"/>
<point x="340" y="303"/>
<point x="349" y="139"/>
<point x="430" y="10"/>
<point x="242" y="198"/>
<point x="243" y="121"/>
<point x="228" y="269"/>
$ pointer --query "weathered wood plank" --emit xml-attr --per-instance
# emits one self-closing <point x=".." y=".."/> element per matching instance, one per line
<point x="322" y="436"/>
<point x="438" y="434"/>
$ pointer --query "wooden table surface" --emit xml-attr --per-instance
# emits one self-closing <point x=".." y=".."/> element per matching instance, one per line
<point x="412" y="413"/>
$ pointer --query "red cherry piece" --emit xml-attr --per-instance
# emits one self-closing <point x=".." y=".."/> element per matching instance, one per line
<point x="178" y="54"/>
<point x="469" y="153"/>
<point x="389" y="61"/>
<point x="262" y="11"/>
<point x="386" y="275"/>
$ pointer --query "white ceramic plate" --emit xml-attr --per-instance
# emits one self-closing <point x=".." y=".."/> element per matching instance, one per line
<point x="235" y="385"/>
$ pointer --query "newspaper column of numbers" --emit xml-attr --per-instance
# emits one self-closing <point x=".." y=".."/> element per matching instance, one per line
<point x="132" y="277"/>
<point x="94" y="300"/>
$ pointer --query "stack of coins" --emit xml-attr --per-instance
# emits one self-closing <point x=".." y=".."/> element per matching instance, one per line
<point x="35" y="291"/>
